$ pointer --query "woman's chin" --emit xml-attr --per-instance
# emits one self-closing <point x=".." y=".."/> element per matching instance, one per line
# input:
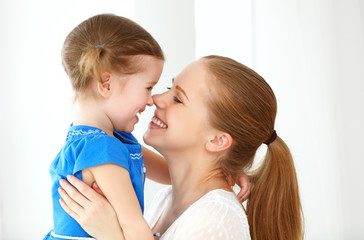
<point x="148" y="138"/>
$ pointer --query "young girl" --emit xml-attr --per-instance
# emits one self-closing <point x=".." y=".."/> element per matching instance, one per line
<point x="113" y="64"/>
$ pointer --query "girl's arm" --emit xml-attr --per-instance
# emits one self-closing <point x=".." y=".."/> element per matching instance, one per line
<point x="243" y="182"/>
<point x="157" y="167"/>
<point x="114" y="181"/>
<point x="90" y="209"/>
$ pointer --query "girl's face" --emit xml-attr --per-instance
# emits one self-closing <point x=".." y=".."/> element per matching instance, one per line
<point x="181" y="117"/>
<point x="130" y="94"/>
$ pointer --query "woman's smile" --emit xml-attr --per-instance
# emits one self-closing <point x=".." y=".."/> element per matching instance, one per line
<point x="157" y="123"/>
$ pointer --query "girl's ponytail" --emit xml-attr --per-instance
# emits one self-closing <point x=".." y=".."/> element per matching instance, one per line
<point x="274" y="208"/>
<point x="90" y="63"/>
<point x="105" y="41"/>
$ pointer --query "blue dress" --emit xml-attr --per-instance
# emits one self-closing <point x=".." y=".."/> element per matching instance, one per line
<point x="88" y="147"/>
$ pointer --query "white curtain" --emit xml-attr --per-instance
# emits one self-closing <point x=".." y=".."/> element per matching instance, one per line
<point x="36" y="105"/>
<point x="312" y="53"/>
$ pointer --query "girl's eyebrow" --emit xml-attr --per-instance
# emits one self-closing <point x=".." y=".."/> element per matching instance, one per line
<point x="152" y="83"/>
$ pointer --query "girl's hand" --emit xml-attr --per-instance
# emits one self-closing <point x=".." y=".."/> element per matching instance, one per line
<point x="243" y="182"/>
<point x="90" y="209"/>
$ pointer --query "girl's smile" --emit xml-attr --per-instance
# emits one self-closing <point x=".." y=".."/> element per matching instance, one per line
<point x="130" y="94"/>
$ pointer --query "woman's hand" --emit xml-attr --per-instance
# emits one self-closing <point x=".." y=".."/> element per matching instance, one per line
<point x="90" y="209"/>
<point x="243" y="182"/>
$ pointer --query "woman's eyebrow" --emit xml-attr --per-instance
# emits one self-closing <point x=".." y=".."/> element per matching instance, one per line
<point x="182" y="91"/>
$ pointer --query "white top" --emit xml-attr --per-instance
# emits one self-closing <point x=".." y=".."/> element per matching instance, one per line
<point x="218" y="215"/>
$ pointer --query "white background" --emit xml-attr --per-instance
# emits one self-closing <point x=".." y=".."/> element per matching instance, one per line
<point x="311" y="53"/>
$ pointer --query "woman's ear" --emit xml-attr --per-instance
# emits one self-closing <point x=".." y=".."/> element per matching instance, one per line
<point x="219" y="142"/>
<point x="103" y="86"/>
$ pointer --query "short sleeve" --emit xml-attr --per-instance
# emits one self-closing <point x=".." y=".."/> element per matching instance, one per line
<point x="90" y="152"/>
<point x="157" y="206"/>
<point x="214" y="221"/>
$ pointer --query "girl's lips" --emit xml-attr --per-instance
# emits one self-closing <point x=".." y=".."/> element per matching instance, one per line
<point x="138" y="113"/>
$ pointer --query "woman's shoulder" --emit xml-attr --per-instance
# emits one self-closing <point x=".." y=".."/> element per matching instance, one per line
<point x="218" y="214"/>
<point x="221" y="201"/>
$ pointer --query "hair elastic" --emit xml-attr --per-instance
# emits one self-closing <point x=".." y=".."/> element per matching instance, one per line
<point x="272" y="138"/>
<point x="97" y="46"/>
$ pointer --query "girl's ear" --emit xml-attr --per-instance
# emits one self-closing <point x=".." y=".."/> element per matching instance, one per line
<point x="103" y="86"/>
<point x="219" y="142"/>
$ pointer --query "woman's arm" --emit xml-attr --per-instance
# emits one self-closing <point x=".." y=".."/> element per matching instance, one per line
<point x="157" y="167"/>
<point x="90" y="209"/>
<point x="94" y="213"/>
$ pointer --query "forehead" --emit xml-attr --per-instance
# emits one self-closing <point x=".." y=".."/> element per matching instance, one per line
<point x="193" y="79"/>
<point x="147" y="71"/>
<point x="194" y="74"/>
<point x="147" y="63"/>
<point x="150" y="68"/>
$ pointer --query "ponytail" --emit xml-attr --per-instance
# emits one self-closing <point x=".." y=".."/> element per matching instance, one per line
<point x="105" y="41"/>
<point x="274" y="208"/>
<point x="89" y="65"/>
<point x="242" y="104"/>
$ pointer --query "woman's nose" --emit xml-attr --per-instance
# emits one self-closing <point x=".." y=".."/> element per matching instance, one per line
<point x="158" y="100"/>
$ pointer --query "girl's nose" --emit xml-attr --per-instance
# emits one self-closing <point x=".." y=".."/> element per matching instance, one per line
<point x="150" y="101"/>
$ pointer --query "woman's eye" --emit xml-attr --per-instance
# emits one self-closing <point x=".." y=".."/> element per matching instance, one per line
<point x="176" y="99"/>
<point x="150" y="88"/>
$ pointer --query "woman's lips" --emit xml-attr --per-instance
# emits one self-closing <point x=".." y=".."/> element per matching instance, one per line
<point x="159" y="123"/>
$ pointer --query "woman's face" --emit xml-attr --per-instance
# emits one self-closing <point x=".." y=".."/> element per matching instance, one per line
<point x="180" y="122"/>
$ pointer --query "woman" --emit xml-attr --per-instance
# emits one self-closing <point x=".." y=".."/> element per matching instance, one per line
<point x="209" y="126"/>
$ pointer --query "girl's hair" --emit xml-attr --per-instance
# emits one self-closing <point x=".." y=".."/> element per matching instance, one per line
<point x="244" y="105"/>
<point x="105" y="41"/>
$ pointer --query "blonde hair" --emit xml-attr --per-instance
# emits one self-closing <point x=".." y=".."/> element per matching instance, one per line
<point x="244" y="105"/>
<point x="105" y="41"/>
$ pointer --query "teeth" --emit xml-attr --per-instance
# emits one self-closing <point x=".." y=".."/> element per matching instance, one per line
<point x="158" y="123"/>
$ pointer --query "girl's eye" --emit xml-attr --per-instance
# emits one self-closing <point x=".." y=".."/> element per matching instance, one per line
<point x="150" y="88"/>
<point x="175" y="98"/>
